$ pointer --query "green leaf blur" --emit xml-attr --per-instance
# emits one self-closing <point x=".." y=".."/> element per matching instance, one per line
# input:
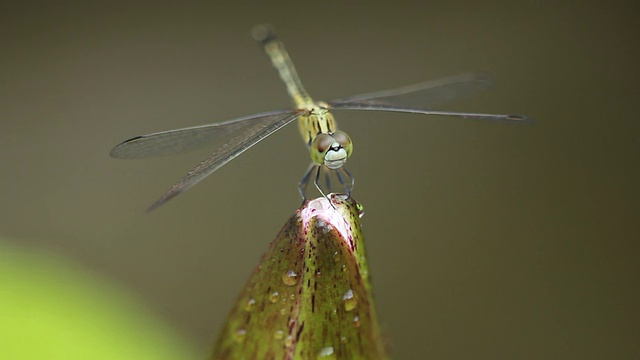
<point x="50" y="309"/>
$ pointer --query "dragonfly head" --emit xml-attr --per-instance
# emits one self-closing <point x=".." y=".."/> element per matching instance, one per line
<point x="331" y="150"/>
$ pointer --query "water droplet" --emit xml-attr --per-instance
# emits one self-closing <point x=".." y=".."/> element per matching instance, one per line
<point x="343" y="268"/>
<point x="288" y="342"/>
<point x="240" y="335"/>
<point x="278" y="335"/>
<point x="289" y="277"/>
<point x="251" y="304"/>
<point x="292" y="296"/>
<point x="327" y="353"/>
<point x="350" y="300"/>
<point x="360" y="210"/>
<point x="356" y="321"/>
<point x="318" y="273"/>
<point x="336" y="258"/>
<point x="273" y="297"/>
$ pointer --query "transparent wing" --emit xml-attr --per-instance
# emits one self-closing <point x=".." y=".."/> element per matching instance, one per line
<point x="421" y="98"/>
<point x="232" y="139"/>
<point x="191" y="138"/>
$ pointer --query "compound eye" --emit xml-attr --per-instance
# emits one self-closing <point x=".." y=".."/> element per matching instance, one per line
<point x="319" y="147"/>
<point x="344" y="140"/>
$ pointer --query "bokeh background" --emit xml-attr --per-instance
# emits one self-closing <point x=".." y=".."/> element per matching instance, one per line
<point x="485" y="240"/>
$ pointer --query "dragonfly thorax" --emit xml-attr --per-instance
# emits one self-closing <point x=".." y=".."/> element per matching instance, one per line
<point x="331" y="150"/>
<point x="316" y="120"/>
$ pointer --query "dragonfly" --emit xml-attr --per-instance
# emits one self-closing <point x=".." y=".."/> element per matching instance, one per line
<point x="329" y="147"/>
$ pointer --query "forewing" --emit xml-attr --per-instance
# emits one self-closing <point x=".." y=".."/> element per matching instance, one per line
<point x="191" y="138"/>
<point x="425" y="95"/>
<point x="239" y="136"/>
<point x="422" y="98"/>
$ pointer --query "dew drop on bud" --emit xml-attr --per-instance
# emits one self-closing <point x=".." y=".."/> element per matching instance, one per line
<point x="327" y="353"/>
<point x="350" y="301"/>
<point x="289" y="277"/>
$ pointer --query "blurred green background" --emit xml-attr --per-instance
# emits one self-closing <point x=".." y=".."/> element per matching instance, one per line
<point x="485" y="240"/>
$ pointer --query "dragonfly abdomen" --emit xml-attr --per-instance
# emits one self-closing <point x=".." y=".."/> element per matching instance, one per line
<point x="274" y="48"/>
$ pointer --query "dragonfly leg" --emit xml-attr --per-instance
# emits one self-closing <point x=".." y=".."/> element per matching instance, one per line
<point x="302" y="185"/>
<point x="341" y="180"/>
<point x="352" y="180"/>
<point x="327" y="179"/>
<point x="315" y="182"/>
<point x="347" y="189"/>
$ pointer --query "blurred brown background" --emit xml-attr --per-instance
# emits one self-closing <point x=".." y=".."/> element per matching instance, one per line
<point x="485" y="240"/>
